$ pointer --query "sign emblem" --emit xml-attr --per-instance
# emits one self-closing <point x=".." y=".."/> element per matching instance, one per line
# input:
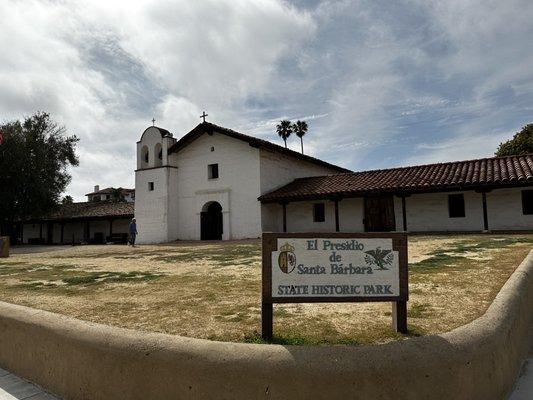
<point x="287" y="258"/>
<point x="380" y="258"/>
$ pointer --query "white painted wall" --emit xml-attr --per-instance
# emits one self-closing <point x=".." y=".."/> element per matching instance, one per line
<point x="505" y="210"/>
<point x="300" y="217"/>
<point x="279" y="169"/>
<point x="236" y="189"/>
<point x="429" y="212"/>
<point x="351" y="214"/>
<point x="151" y="207"/>
<point x="31" y="231"/>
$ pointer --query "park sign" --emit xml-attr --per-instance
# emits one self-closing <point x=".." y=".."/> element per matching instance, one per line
<point x="334" y="267"/>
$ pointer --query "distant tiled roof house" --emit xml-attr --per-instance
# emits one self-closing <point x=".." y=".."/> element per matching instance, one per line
<point x="91" y="210"/>
<point x="87" y="222"/>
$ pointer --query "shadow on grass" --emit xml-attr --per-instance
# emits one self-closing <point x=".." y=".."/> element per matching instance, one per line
<point x="294" y="339"/>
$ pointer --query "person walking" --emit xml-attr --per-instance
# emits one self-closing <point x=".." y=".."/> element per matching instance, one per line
<point x="133" y="232"/>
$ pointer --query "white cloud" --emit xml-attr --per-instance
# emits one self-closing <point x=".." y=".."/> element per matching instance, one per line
<point x="105" y="68"/>
<point x="379" y="77"/>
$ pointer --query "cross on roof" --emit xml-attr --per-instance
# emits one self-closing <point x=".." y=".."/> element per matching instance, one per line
<point x="153" y="121"/>
<point x="204" y="115"/>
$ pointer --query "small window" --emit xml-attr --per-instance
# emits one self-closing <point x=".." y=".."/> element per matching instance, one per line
<point x="319" y="212"/>
<point x="527" y="202"/>
<point x="150" y="186"/>
<point x="456" y="205"/>
<point x="107" y="196"/>
<point x="212" y="171"/>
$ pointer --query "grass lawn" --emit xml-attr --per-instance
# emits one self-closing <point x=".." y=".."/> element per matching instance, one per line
<point x="213" y="290"/>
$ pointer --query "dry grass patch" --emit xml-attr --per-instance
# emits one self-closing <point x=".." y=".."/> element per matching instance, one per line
<point x="212" y="290"/>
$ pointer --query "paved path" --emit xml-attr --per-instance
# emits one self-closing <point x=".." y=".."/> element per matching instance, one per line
<point x="524" y="385"/>
<point x="14" y="388"/>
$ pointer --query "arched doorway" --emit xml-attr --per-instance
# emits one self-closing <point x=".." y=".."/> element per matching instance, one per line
<point x="211" y="221"/>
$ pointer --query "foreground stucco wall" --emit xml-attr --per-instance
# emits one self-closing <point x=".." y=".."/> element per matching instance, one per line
<point x="80" y="360"/>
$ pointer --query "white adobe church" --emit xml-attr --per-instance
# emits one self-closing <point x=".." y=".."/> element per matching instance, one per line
<point x="215" y="183"/>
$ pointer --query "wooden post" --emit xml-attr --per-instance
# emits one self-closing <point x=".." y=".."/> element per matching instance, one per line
<point x="40" y="233"/>
<point x="284" y="205"/>
<point x="337" y="228"/>
<point x="404" y="214"/>
<point x="22" y="233"/>
<point x="62" y="232"/>
<point x="266" y="320"/>
<point x="485" y="214"/>
<point x="399" y="316"/>
<point x="110" y="227"/>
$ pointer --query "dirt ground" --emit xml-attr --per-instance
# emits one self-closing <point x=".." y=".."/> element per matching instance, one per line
<point x="213" y="290"/>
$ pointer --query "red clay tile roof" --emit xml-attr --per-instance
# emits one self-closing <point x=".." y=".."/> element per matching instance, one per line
<point x="88" y="210"/>
<point x="207" y="127"/>
<point x="458" y="175"/>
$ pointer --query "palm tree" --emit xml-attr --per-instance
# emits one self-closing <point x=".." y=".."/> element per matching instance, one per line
<point x="284" y="130"/>
<point x="300" y="128"/>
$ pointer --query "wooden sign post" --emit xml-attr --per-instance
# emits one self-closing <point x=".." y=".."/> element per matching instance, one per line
<point x="332" y="268"/>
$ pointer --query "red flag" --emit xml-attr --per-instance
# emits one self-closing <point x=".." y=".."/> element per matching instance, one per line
<point x="1" y="138"/>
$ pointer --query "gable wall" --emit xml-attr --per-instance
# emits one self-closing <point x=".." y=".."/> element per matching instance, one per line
<point x="236" y="189"/>
<point x="278" y="170"/>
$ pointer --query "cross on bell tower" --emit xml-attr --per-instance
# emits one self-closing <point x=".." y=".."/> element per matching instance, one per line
<point x="153" y="121"/>
<point x="204" y="115"/>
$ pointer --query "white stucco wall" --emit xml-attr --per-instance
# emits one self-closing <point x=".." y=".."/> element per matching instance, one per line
<point x="300" y="216"/>
<point x="31" y="231"/>
<point x="425" y="213"/>
<point x="351" y="214"/>
<point x="429" y="212"/>
<point x="151" y="208"/>
<point x="505" y="210"/>
<point x="236" y="189"/>
<point x="279" y="169"/>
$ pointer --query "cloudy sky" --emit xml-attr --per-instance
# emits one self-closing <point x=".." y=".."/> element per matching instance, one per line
<point x="381" y="83"/>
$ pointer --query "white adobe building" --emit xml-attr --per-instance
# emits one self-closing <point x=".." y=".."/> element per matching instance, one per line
<point x="215" y="183"/>
<point x="206" y="185"/>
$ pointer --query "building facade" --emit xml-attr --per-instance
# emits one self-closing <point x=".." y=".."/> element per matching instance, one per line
<point x="215" y="183"/>
<point x="94" y="222"/>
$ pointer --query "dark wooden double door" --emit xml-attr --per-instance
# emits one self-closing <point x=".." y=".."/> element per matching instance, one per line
<point x="379" y="214"/>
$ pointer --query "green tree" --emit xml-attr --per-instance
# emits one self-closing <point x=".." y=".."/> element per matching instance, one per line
<point x="34" y="158"/>
<point x="117" y="196"/>
<point x="284" y="130"/>
<point x="521" y="143"/>
<point x="67" y="200"/>
<point x="300" y="128"/>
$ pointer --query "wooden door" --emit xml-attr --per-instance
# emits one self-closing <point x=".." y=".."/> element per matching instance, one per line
<point x="211" y="222"/>
<point x="379" y="214"/>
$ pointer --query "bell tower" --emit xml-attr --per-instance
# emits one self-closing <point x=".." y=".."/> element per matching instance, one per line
<point x="155" y="187"/>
